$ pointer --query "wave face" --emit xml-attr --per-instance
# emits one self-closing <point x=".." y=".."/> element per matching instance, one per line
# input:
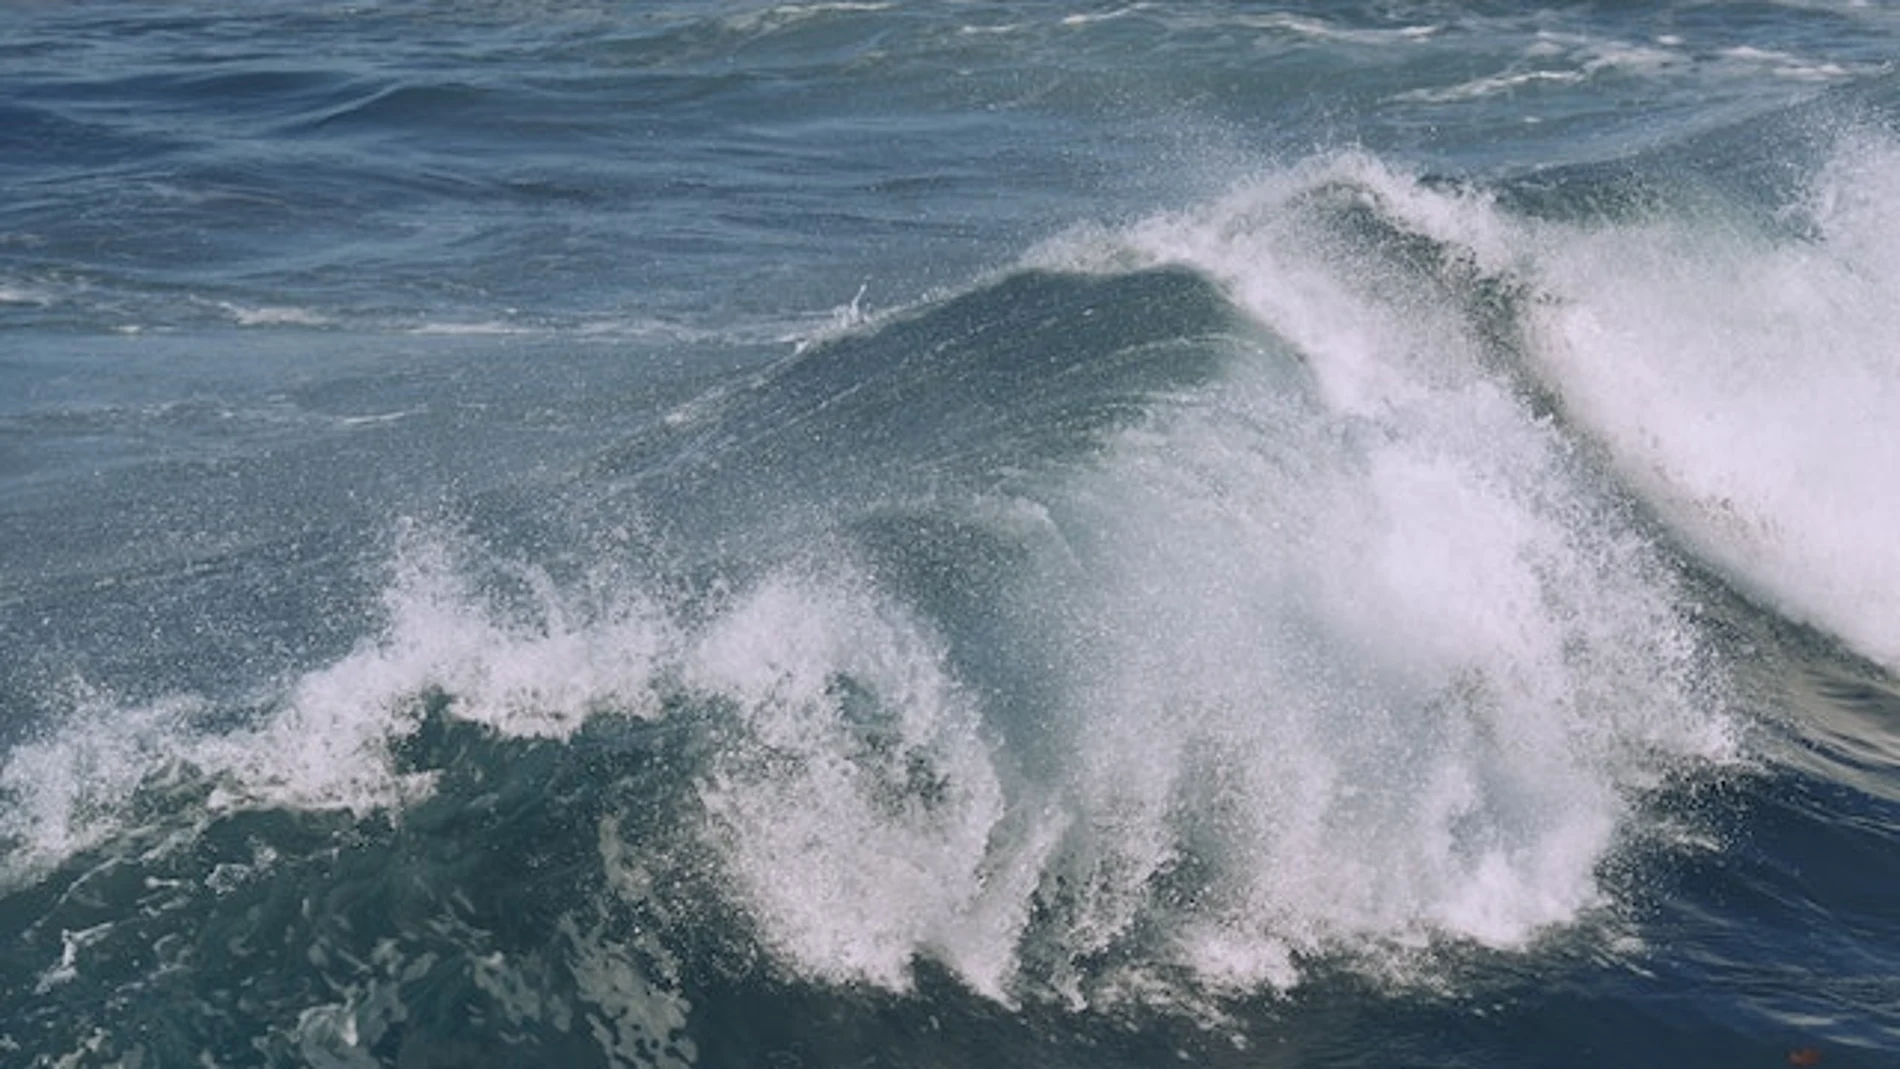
<point x="1415" y="602"/>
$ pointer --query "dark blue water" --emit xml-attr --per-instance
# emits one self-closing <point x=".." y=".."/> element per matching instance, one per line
<point x="949" y="534"/>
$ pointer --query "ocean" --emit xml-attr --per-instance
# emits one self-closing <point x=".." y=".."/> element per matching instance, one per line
<point x="969" y="533"/>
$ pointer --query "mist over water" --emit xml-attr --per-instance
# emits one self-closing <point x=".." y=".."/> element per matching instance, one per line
<point x="673" y="545"/>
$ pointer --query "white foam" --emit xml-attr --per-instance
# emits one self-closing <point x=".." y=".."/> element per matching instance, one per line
<point x="780" y="16"/>
<point x="325" y="741"/>
<point x="993" y="30"/>
<point x="273" y="315"/>
<point x="378" y="418"/>
<point x="1561" y="59"/>
<point x="11" y="294"/>
<point x="1491" y="86"/>
<point x="71" y="943"/>
<point x="1747" y="384"/>
<point x="493" y="327"/>
<point x="650" y="328"/>
<point x="857" y="800"/>
<point x="1377" y="666"/>
<point x="844" y="319"/>
<point x="1791" y="66"/>
<point x="1322" y="30"/>
<point x="66" y="791"/>
<point x="636" y="1019"/>
<point x="853" y="802"/>
<point x="1351" y="665"/>
<point x="1087" y="18"/>
<point x="1741" y="379"/>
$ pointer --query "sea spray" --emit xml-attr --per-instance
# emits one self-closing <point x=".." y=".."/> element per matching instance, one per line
<point x="1744" y="381"/>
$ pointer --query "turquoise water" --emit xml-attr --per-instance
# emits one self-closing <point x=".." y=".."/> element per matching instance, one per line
<point x="944" y="534"/>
